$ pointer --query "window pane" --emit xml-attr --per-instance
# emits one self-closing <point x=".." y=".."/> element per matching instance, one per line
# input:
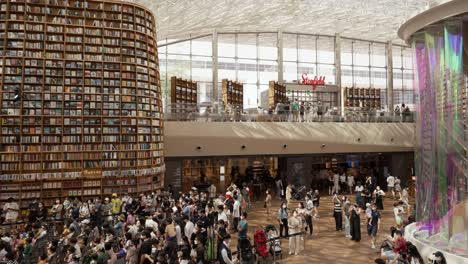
<point x="396" y="55"/>
<point x="202" y="68"/>
<point x="379" y="55"/>
<point x="328" y="71"/>
<point x="247" y="46"/>
<point x="346" y="76"/>
<point x="205" y="92"/>
<point x="346" y="52"/>
<point x="408" y="98"/>
<point x="309" y="68"/>
<point x="268" y="71"/>
<point x="202" y="46"/>
<point x="290" y="71"/>
<point x="379" y="77"/>
<point x="361" y="77"/>
<point x="307" y="48"/>
<point x="263" y="96"/>
<point x="361" y="53"/>
<point x="226" y="45"/>
<point x="250" y="96"/>
<point x="326" y="50"/>
<point x="247" y="71"/>
<point x="179" y="48"/>
<point x="407" y="58"/>
<point x="397" y="79"/>
<point x="178" y="65"/>
<point x="226" y="68"/>
<point x="408" y="79"/>
<point x="267" y="48"/>
<point x="397" y="97"/>
<point x="289" y="47"/>
<point x="383" y="99"/>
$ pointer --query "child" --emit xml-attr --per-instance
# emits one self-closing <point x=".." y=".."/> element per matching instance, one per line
<point x="43" y="259"/>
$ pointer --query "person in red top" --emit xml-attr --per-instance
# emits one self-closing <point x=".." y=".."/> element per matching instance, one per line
<point x="400" y="242"/>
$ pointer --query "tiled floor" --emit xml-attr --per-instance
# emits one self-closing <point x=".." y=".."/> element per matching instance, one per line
<point x="328" y="245"/>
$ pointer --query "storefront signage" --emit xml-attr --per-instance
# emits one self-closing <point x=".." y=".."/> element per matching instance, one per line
<point x="314" y="82"/>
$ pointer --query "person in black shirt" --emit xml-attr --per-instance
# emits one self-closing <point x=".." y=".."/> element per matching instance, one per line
<point x="33" y="210"/>
<point x="145" y="249"/>
<point x="374" y="225"/>
<point x="337" y="214"/>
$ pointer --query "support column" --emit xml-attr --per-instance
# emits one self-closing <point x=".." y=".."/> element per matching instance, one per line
<point x="279" y="45"/>
<point x="389" y="77"/>
<point x="214" y="53"/>
<point x="338" y="72"/>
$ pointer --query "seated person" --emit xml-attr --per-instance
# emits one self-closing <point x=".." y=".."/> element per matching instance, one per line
<point x="393" y="246"/>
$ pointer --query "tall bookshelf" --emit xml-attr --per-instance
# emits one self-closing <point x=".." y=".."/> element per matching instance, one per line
<point x="365" y="98"/>
<point x="183" y="95"/>
<point x="276" y="94"/>
<point x="80" y="104"/>
<point x="233" y="93"/>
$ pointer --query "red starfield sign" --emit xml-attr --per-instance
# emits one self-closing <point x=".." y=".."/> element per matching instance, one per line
<point x="314" y="82"/>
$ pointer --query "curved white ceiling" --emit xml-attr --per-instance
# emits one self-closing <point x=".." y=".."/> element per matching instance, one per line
<point x="365" y="19"/>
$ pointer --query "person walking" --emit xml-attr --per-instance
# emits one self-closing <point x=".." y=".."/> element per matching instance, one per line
<point x="283" y="219"/>
<point x="398" y="187"/>
<point x="337" y="213"/>
<point x="267" y="204"/>
<point x="374" y="225"/>
<point x="295" y="110"/>
<point x="355" y="222"/>
<point x="294" y="225"/>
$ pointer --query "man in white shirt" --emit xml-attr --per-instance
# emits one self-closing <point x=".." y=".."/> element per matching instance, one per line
<point x="236" y="213"/>
<point x="343" y="182"/>
<point x="226" y="251"/>
<point x="11" y="210"/>
<point x="336" y="183"/>
<point x="152" y="223"/>
<point x="391" y="184"/>
<point x="188" y="229"/>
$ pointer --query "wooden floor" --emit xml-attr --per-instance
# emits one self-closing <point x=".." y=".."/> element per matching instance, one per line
<point x="327" y="245"/>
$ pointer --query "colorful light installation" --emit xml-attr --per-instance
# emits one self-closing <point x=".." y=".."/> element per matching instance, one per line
<point x="441" y="141"/>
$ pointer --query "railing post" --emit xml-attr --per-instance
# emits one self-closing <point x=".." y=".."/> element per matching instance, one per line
<point x="280" y="56"/>
<point x="338" y="72"/>
<point x="389" y="77"/>
<point x="214" y="53"/>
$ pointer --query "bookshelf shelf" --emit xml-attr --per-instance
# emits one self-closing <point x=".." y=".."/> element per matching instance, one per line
<point x="89" y="106"/>
<point x="233" y="94"/>
<point x="183" y="95"/>
<point x="276" y="94"/>
<point x="363" y="98"/>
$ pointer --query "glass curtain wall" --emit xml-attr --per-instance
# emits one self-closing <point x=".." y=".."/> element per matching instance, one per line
<point x="252" y="58"/>
<point x="192" y="60"/>
<point x="403" y="76"/>
<point x="249" y="58"/>
<point x="364" y="65"/>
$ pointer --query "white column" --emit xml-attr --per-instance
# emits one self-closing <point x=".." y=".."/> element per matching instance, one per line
<point x="214" y="53"/>
<point x="389" y="77"/>
<point x="279" y="45"/>
<point x="338" y="72"/>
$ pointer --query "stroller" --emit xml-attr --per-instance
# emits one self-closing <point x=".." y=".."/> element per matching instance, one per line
<point x="260" y="243"/>
<point x="274" y="242"/>
<point x="245" y="252"/>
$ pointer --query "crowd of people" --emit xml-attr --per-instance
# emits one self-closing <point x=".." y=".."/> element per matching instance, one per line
<point x="196" y="227"/>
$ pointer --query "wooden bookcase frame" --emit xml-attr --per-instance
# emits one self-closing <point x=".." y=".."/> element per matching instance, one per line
<point x="88" y="121"/>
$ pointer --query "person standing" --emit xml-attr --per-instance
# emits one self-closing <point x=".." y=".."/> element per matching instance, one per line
<point x="236" y="212"/>
<point x="379" y="194"/>
<point x="398" y="212"/>
<point x="11" y="210"/>
<point x="359" y="189"/>
<point x="283" y="219"/>
<point x="336" y="183"/>
<point x="316" y="203"/>
<point x="268" y="204"/>
<point x="243" y="227"/>
<point x="295" y="110"/>
<point x="294" y="225"/>
<point x="374" y="225"/>
<point x="346" y="216"/>
<point x="398" y="187"/>
<point x="391" y="184"/>
<point x="57" y="209"/>
<point x="343" y="182"/>
<point x="302" y="111"/>
<point x="226" y="255"/>
<point x="309" y="206"/>
<point x="350" y="183"/>
<point x="355" y="222"/>
<point x="116" y="204"/>
<point x="33" y="210"/>
<point x="337" y="213"/>
<point x="279" y="187"/>
<point x="330" y="184"/>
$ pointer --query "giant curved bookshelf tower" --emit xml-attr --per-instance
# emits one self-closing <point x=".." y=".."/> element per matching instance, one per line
<point x="80" y="103"/>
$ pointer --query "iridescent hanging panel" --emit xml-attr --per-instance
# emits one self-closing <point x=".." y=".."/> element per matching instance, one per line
<point x="441" y="143"/>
